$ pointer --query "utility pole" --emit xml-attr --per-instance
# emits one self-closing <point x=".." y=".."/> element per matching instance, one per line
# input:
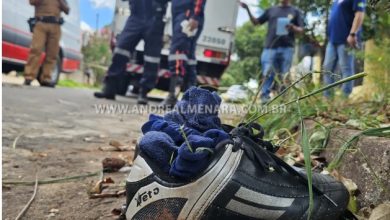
<point x="97" y="23"/>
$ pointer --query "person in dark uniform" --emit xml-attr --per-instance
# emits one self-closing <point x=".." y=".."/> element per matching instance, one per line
<point x="188" y="20"/>
<point x="46" y="34"/>
<point x="145" y="22"/>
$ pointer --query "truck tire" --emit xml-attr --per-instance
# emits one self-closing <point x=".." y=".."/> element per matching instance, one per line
<point x="55" y="74"/>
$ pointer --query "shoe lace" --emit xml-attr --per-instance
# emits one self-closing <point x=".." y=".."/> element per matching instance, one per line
<point x="262" y="152"/>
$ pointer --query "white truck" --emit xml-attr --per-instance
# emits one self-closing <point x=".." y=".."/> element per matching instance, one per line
<point x="213" y="49"/>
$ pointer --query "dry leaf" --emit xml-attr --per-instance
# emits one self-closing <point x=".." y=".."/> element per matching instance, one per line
<point x="108" y="180"/>
<point x="115" y="143"/>
<point x="348" y="183"/>
<point x="127" y="148"/>
<point x="113" y="164"/>
<point x="116" y="212"/>
<point x="54" y="210"/>
<point x="41" y="154"/>
<point x="97" y="188"/>
<point x="109" y="148"/>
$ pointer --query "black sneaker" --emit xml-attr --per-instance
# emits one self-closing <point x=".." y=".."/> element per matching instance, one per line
<point x="244" y="180"/>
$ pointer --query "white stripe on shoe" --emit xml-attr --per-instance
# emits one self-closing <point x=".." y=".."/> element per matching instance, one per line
<point x="254" y="212"/>
<point x="199" y="194"/>
<point x="262" y="199"/>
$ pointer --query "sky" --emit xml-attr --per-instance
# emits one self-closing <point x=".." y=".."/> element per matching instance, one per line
<point x="89" y="10"/>
<point x="105" y="8"/>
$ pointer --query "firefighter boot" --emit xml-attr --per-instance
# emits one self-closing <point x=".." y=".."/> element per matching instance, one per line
<point x="143" y="96"/>
<point x="109" y="89"/>
<point x="174" y="90"/>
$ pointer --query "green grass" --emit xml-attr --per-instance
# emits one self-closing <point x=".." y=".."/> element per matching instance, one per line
<point x="68" y="83"/>
<point x="306" y="152"/>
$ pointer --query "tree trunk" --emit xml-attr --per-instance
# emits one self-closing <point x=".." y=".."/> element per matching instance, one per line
<point x="376" y="83"/>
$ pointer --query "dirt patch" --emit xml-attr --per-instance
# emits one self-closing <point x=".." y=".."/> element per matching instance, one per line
<point x="58" y="158"/>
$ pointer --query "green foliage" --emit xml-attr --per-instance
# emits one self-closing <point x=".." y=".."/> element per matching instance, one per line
<point x="249" y="40"/>
<point x="315" y="6"/>
<point x="97" y="52"/>
<point x="68" y="83"/>
<point x="306" y="152"/>
<point x="249" y="43"/>
<point x="377" y="23"/>
<point x="240" y="71"/>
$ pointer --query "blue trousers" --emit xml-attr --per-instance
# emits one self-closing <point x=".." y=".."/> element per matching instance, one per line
<point x="338" y="54"/>
<point x="182" y="59"/>
<point x="274" y="61"/>
<point x="136" y="29"/>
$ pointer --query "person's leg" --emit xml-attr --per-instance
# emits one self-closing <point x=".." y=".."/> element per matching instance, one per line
<point x="267" y="66"/>
<point x="277" y="69"/>
<point x="37" y="44"/>
<point x="127" y="41"/>
<point x="191" y="76"/>
<point x="52" y="52"/>
<point x="347" y="67"/>
<point x="329" y="66"/>
<point x="191" y="71"/>
<point x="153" y="44"/>
<point x="286" y="58"/>
<point x="126" y="44"/>
<point x="287" y="54"/>
<point x="177" y="59"/>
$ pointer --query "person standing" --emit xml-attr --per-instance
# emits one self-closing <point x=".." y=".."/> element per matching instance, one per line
<point x="188" y="21"/>
<point x="46" y="34"/>
<point x="344" y="33"/>
<point x="284" y="21"/>
<point x="145" y="22"/>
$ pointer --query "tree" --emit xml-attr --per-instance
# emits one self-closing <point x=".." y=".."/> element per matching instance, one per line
<point x="249" y="43"/>
<point x="97" y="54"/>
<point x="377" y="54"/>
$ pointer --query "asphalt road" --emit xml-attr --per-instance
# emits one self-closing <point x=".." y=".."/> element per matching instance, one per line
<point x="64" y="113"/>
<point x="57" y="133"/>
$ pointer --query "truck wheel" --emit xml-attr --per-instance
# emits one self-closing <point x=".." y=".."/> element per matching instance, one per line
<point x="55" y="74"/>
